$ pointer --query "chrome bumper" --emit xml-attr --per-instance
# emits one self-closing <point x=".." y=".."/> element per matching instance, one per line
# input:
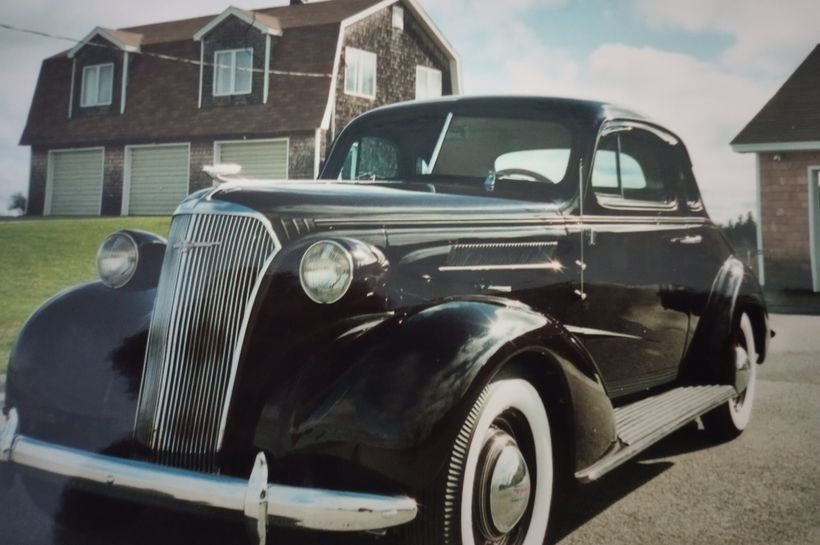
<point x="261" y="502"/>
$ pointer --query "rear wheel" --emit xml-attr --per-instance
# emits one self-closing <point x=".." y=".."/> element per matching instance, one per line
<point x="497" y="487"/>
<point x="729" y="420"/>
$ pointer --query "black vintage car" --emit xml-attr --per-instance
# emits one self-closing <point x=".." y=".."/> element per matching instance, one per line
<point x="479" y="295"/>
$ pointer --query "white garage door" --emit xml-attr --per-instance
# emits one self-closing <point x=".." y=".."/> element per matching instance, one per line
<point x="75" y="183"/>
<point x="259" y="158"/>
<point x="156" y="179"/>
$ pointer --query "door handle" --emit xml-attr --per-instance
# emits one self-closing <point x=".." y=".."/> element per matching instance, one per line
<point x="688" y="240"/>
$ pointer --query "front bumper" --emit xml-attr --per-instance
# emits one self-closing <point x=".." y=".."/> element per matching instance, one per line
<point x="262" y="503"/>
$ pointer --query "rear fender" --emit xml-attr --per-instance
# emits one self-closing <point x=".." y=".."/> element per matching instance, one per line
<point x="734" y="291"/>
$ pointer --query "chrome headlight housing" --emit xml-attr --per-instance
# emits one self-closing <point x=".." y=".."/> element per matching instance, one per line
<point x="326" y="271"/>
<point x="117" y="259"/>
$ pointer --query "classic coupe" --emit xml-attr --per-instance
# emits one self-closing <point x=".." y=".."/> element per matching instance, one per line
<point x="477" y="298"/>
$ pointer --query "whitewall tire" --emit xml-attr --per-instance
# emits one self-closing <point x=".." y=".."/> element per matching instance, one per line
<point x="497" y="485"/>
<point x="729" y="420"/>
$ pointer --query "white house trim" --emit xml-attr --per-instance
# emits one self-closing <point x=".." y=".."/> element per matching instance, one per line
<point x="761" y="264"/>
<point x="124" y="84"/>
<point x="814" y="224"/>
<point x="266" y="83"/>
<point x="108" y="35"/>
<point x="50" y="176"/>
<point x="71" y="89"/>
<point x="201" y="70"/>
<point x="242" y="15"/>
<point x="435" y="34"/>
<point x="776" y="146"/>
<point x="317" y="148"/>
<point x="126" y="170"/>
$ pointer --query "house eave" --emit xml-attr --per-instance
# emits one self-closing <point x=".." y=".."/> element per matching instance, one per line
<point x="242" y="15"/>
<point x="104" y="33"/>
<point x="776" y="146"/>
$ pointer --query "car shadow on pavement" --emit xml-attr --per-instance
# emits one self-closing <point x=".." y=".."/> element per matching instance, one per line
<point x="579" y="503"/>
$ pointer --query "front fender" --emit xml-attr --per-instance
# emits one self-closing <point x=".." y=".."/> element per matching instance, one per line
<point x="74" y="373"/>
<point x="395" y="396"/>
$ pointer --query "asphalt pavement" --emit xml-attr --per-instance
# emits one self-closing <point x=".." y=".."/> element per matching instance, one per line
<point x="762" y="488"/>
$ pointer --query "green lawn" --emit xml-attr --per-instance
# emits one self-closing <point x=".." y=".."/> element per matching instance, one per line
<point x="40" y="257"/>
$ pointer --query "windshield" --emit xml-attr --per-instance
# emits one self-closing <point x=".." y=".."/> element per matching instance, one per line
<point x="498" y="156"/>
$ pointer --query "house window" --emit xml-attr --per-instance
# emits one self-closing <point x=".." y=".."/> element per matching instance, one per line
<point x="428" y="82"/>
<point x="233" y="72"/>
<point x="360" y="73"/>
<point x="398" y="17"/>
<point x="98" y="83"/>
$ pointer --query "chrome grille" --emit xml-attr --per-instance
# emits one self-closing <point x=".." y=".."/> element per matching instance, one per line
<point x="213" y="264"/>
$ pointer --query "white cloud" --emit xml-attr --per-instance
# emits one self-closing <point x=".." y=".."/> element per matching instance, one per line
<point x="769" y="37"/>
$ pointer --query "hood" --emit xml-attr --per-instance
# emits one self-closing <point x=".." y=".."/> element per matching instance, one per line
<point x="367" y="202"/>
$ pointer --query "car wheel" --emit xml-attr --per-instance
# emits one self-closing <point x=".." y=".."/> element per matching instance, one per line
<point x="497" y="486"/>
<point x="730" y="419"/>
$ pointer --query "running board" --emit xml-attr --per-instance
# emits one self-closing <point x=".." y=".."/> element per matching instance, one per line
<point x="641" y="424"/>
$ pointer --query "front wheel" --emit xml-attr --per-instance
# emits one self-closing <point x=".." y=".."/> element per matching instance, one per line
<point x="497" y="487"/>
<point x="729" y="420"/>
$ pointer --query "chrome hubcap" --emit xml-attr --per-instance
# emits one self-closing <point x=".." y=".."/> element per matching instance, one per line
<point x="504" y="486"/>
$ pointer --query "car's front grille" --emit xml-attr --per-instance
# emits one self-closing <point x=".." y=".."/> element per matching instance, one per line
<point x="212" y="267"/>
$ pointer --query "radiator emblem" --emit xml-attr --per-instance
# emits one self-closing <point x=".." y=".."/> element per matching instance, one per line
<point x="188" y="245"/>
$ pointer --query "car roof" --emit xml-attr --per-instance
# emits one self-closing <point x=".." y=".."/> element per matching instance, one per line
<point x="599" y="111"/>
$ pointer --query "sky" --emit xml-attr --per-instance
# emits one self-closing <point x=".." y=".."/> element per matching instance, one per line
<point x="703" y="68"/>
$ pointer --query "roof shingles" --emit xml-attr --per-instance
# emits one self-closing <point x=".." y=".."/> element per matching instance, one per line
<point x="793" y="113"/>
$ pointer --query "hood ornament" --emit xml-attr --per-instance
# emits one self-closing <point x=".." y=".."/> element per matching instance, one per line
<point x="220" y="173"/>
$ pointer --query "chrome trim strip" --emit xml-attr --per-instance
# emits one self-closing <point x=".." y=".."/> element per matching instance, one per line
<point x="592" y="332"/>
<point x="551" y="266"/>
<point x="256" y="499"/>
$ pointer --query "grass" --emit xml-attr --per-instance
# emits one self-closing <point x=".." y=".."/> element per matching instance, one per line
<point x="40" y="257"/>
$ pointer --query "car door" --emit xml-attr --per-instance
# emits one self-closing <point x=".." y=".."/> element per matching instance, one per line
<point x="632" y="314"/>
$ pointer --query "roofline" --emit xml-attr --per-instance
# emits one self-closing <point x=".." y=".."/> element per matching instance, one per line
<point x="105" y="33"/>
<point x="241" y="14"/>
<point x="776" y="146"/>
<point x="418" y="11"/>
<point x="442" y="42"/>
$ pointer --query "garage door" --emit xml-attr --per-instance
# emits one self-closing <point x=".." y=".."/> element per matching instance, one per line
<point x="259" y="159"/>
<point x="76" y="179"/>
<point x="156" y="179"/>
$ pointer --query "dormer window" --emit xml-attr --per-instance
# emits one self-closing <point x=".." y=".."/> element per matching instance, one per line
<point x="233" y="71"/>
<point x="98" y="84"/>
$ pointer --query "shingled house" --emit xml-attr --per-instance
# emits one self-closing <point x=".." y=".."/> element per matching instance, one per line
<point x="124" y="122"/>
<point x="785" y="136"/>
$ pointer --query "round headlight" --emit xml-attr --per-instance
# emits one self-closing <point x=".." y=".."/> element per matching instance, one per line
<point x="326" y="271"/>
<point x="117" y="260"/>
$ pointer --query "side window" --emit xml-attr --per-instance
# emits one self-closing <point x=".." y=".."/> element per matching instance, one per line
<point x="371" y="158"/>
<point x="634" y="167"/>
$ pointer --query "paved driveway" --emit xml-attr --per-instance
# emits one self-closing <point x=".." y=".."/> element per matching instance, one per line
<point x="763" y="488"/>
